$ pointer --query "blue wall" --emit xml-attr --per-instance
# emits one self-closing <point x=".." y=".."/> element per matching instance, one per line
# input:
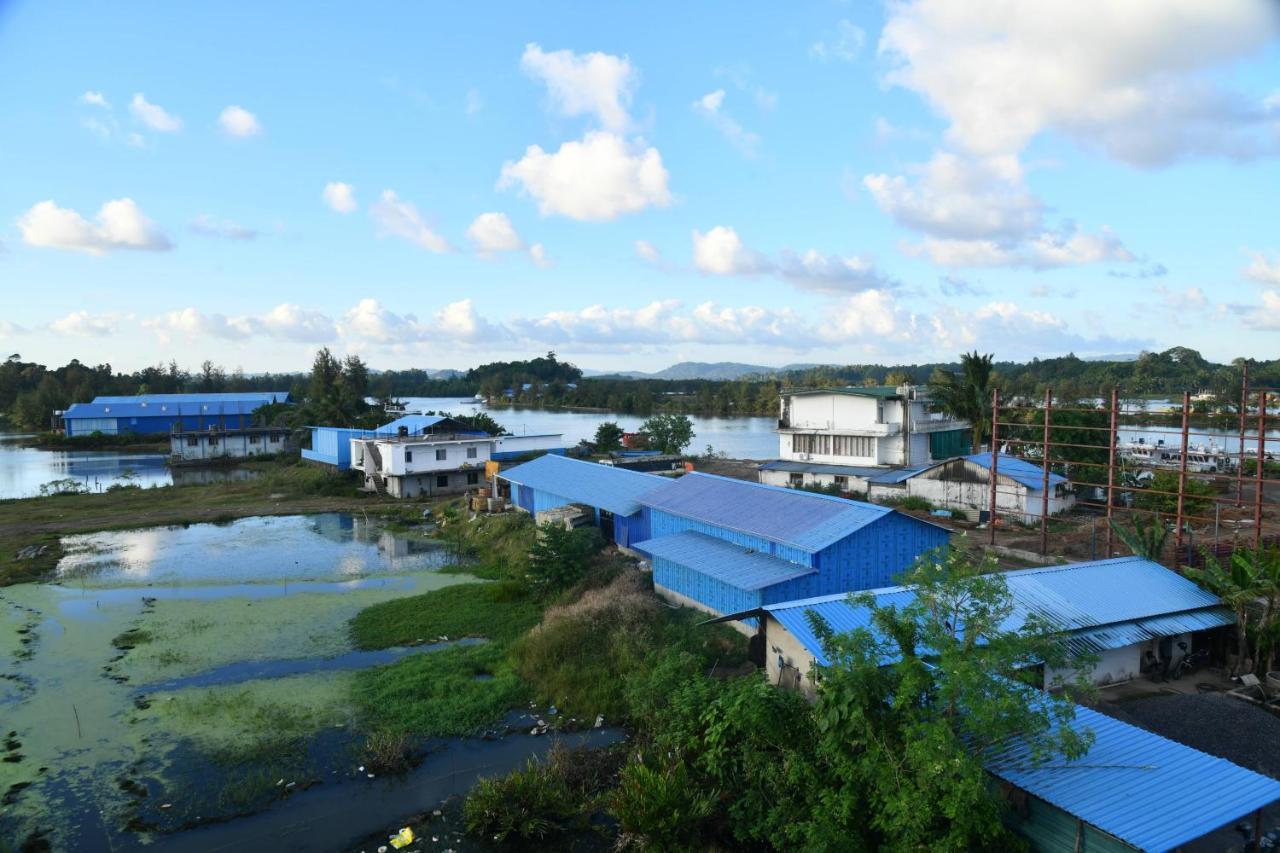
<point x="666" y="524"/>
<point x="627" y="529"/>
<point x="716" y="594"/>
<point x="152" y="423"/>
<point x="332" y="445"/>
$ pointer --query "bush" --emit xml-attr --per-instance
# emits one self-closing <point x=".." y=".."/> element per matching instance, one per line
<point x="910" y="502"/>
<point x="659" y="806"/>
<point x="559" y="558"/>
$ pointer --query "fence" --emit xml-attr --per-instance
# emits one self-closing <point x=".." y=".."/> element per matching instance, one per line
<point x="1211" y="478"/>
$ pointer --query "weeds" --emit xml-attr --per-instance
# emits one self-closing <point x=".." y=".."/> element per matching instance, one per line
<point x="388" y="751"/>
<point x="462" y="610"/>
<point x="132" y="637"/>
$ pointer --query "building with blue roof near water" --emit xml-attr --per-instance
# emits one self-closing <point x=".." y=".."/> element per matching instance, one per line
<point x="1119" y="610"/>
<point x="611" y="495"/>
<point x="333" y="445"/>
<point x="964" y="484"/>
<point x="725" y="545"/>
<point x="163" y="413"/>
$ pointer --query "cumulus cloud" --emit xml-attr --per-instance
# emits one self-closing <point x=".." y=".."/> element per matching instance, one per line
<point x="648" y="252"/>
<point x="370" y="321"/>
<point x="1262" y="269"/>
<point x="493" y="233"/>
<point x="1266" y="316"/>
<point x="95" y="99"/>
<point x="711" y="107"/>
<point x="82" y="324"/>
<point x="663" y="322"/>
<point x="208" y="226"/>
<point x="339" y="196"/>
<point x="153" y="115"/>
<point x="238" y="122"/>
<point x="1129" y="80"/>
<point x="120" y="225"/>
<point x="598" y="84"/>
<point x="401" y="219"/>
<point x="285" y="322"/>
<point x="843" y="45"/>
<point x="721" y="251"/>
<point x="1069" y="246"/>
<point x="598" y="178"/>
<point x="538" y="254"/>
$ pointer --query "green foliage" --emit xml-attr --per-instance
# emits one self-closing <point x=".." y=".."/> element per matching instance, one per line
<point x="1249" y="583"/>
<point x="1146" y="538"/>
<point x="911" y="502"/>
<point x="608" y="437"/>
<point x="63" y="486"/>
<point x="821" y="489"/>
<point x="660" y="807"/>
<point x="966" y="394"/>
<point x="669" y="433"/>
<point x="1161" y="495"/>
<point x="475" y="420"/>
<point x="462" y="610"/>
<point x="454" y="691"/>
<point x="1270" y="469"/>
<point x="559" y="558"/>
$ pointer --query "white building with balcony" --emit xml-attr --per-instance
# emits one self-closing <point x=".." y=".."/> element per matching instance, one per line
<point x="409" y="466"/>
<point x="849" y="437"/>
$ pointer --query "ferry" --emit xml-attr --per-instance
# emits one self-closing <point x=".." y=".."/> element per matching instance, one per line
<point x="1201" y="458"/>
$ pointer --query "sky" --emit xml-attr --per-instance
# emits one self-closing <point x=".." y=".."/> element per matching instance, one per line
<point x="438" y="186"/>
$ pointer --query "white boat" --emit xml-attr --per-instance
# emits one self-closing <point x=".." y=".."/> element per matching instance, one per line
<point x="1201" y="458"/>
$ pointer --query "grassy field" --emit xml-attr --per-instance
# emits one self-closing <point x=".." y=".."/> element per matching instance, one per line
<point x="466" y="610"/>
<point x="282" y="487"/>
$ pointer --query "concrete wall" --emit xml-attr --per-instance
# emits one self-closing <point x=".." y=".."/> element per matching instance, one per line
<point x="964" y="485"/>
<point x="835" y="411"/>
<point x="194" y="448"/>
<point x="408" y="458"/>
<point x="426" y="485"/>
<point x="513" y="446"/>
<point x="853" y="485"/>
<point x="787" y="663"/>
<point x="1114" y="666"/>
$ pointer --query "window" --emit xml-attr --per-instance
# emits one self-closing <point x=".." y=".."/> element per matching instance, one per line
<point x="471" y="453"/>
<point x="192" y="441"/>
<point x="442" y="482"/>
<point x="473" y="478"/>
<point x="213" y="441"/>
<point x="834" y="445"/>
<point x="254" y="439"/>
<point x="797" y="479"/>
<point x="408" y="456"/>
<point x="842" y="483"/>
<point x="275" y="438"/>
<point x="442" y="454"/>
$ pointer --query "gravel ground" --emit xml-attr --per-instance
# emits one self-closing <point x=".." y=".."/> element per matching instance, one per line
<point x="1210" y="722"/>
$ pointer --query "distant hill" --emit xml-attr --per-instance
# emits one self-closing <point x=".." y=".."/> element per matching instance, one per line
<point x="719" y="370"/>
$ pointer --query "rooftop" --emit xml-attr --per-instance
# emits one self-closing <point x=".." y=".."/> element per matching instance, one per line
<point x="801" y="519"/>
<point x="734" y="565"/>
<point x="173" y="405"/>
<point x="875" y="474"/>
<point x="882" y="392"/>
<point x="616" y="490"/>
<point x="1021" y="471"/>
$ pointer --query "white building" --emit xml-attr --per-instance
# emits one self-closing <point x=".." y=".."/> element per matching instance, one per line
<point x="406" y="466"/>
<point x="964" y="484"/>
<point x="213" y="444"/>
<point x="849" y="436"/>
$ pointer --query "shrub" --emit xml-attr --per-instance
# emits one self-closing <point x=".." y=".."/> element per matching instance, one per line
<point x="910" y="502"/>
<point x="659" y="806"/>
<point x="387" y="751"/>
<point x="559" y="558"/>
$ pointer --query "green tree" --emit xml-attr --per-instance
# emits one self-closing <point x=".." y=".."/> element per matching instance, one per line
<point x="1161" y="495"/>
<point x="1249" y="583"/>
<point x="608" y="437"/>
<point x="967" y="394"/>
<point x="669" y="433"/>
<point x="1145" y="539"/>
<point x="912" y="710"/>
<point x="560" y="557"/>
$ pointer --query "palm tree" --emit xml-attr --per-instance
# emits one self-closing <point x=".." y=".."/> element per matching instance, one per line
<point x="966" y="395"/>
<point x="1249" y="579"/>
<point x="1146" y="541"/>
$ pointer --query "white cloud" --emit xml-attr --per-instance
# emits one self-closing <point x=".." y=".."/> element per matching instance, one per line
<point x="579" y="84"/>
<point x="9" y="329"/>
<point x="369" y="321"/>
<point x="153" y="115"/>
<point x="401" y="219"/>
<point x="648" y="252"/>
<point x="238" y="122"/>
<point x="598" y="178"/>
<point x="207" y="226"/>
<point x="96" y="99"/>
<point x="538" y="254"/>
<point x="843" y="45"/>
<point x="493" y="233"/>
<point x="1126" y="78"/>
<point x="120" y="225"/>
<point x="721" y="251"/>
<point x="339" y="196"/>
<point x="711" y="107"/>
<point x="285" y="322"/>
<point x="1266" y="317"/>
<point x="1262" y="269"/>
<point x="82" y="324"/>
<point x="1066" y="247"/>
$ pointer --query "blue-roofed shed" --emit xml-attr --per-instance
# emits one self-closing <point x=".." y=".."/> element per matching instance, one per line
<point x="964" y="483"/>
<point x="160" y="413"/>
<point x="1115" y="609"/>
<point x="553" y="481"/>
<point x="837" y="545"/>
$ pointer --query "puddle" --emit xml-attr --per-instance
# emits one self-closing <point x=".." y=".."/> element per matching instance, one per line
<point x="324" y="547"/>
<point x="238" y="629"/>
<point x="238" y="673"/>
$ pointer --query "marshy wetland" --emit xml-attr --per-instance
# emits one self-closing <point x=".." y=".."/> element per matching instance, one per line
<point x="204" y="686"/>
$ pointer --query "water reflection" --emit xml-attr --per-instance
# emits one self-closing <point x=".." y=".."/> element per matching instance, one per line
<point x="323" y="547"/>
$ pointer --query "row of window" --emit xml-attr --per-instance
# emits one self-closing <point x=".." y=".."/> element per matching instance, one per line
<point x="194" y="440"/>
<point x="473" y="479"/>
<point x="442" y="454"/>
<point x="834" y="445"/>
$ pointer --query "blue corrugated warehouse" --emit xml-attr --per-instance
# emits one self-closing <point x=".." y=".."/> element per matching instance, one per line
<point x="159" y="413"/>
<point x="727" y="545"/>
<point x="613" y="494"/>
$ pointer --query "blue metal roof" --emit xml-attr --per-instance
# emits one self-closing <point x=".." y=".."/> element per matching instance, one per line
<point x="605" y="486"/>
<point x="1128" y="784"/>
<point x="739" y="567"/>
<point x="174" y="405"/>
<point x="804" y="520"/>
<point x="1021" y="471"/>
<point x="792" y="466"/>
<point x="1105" y="604"/>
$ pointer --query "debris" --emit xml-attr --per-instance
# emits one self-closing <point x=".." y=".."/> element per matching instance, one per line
<point x="551" y="712"/>
<point x="403" y="838"/>
<point x="166" y="805"/>
<point x="279" y="782"/>
<point x="370" y="775"/>
<point x="599" y="720"/>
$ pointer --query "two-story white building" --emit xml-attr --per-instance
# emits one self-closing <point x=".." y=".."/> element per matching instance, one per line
<point x="409" y="466"/>
<point x="848" y="437"/>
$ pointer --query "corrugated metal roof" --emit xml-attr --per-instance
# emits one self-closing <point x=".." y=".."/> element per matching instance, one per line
<point x="1138" y="786"/>
<point x="174" y="405"/>
<point x="1107" y="604"/>
<point x="805" y="520"/>
<point x="737" y="566"/>
<point x="605" y="486"/>
<point x="792" y="466"/>
<point x="414" y="423"/>
<point x="882" y="392"/>
<point x="1021" y="471"/>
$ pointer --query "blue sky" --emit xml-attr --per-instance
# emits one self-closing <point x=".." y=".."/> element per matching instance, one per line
<point x="769" y="183"/>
